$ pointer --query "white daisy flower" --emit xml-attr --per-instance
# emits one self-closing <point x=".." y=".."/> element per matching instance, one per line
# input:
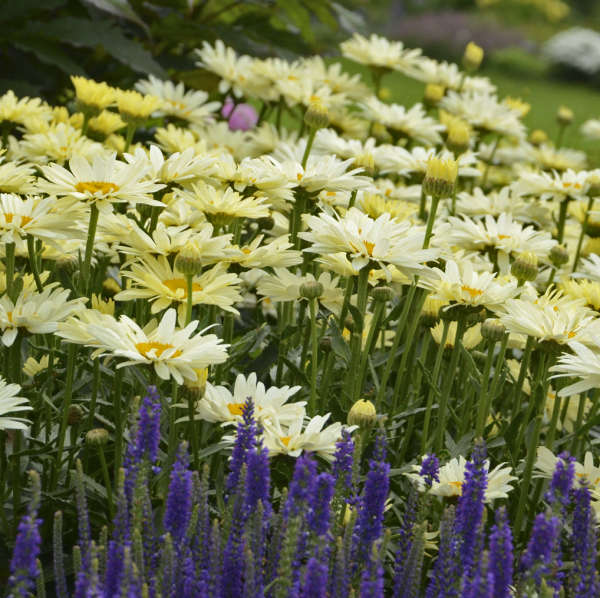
<point x="553" y="186"/>
<point x="452" y="478"/>
<point x="584" y="364"/>
<point x="11" y="403"/>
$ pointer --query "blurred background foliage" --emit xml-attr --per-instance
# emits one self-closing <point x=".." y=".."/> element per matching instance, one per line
<point x="121" y="41"/>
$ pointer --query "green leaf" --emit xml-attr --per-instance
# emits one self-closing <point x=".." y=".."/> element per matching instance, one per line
<point x="90" y="34"/>
<point x="50" y="53"/>
<point x="298" y="16"/>
<point x="26" y="9"/>
<point x="121" y="9"/>
<point x="323" y="12"/>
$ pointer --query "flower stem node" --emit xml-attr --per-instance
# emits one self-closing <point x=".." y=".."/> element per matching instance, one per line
<point x="440" y="177"/>
<point x="493" y="330"/>
<point x="472" y="57"/>
<point x="189" y="259"/>
<point x="97" y="437"/>
<point x="559" y="255"/>
<point x="311" y="289"/>
<point x="383" y="294"/>
<point x="525" y="267"/>
<point x="316" y="115"/>
<point x="362" y="414"/>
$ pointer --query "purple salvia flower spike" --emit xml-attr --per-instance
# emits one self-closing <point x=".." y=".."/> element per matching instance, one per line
<point x="536" y="562"/>
<point x="315" y="580"/>
<point x="319" y="512"/>
<point x="179" y="500"/>
<point x="501" y="556"/>
<point x="430" y="468"/>
<point x="445" y="574"/>
<point x="244" y="440"/>
<point x="585" y="580"/>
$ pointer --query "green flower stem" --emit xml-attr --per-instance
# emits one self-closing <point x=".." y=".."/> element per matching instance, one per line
<point x="445" y="394"/>
<point x="453" y="204"/>
<point x="9" y="250"/>
<point x="107" y="483"/>
<point x="582" y="233"/>
<point x="309" y="143"/>
<point x="581" y="416"/>
<point x="192" y="430"/>
<point x="488" y="163"/>
<point x="66" y="404"/>
<point x="539" y="391"/>
<point x="314" y="358"/>
<point x="86" y="121"/>
<point x="560" y="135"/>
<point x="129" y="135"/>
<point x="347" y="297"/>
<point x="278" y="114"/>
<point x="433" y="388"/>
<point x="387" y="370"/>
<point x="172" y="428"/>
<point x="408" y="342"/>
<point x="34" y="263"/>
<point x="94" y="397"/>
<point x="352" y="199"/>
<point x="517" y="396"/>
<point x="553" y="421"/>
<point x="189" y="280"/>
<point x="487" y="395"/>
<point x="296" y="219"/>
<point x="154" y="214"/>
<point x="325" y="378"/>
<point x="483" y="403"/>
<point x="89" y="249"/>
<point x="423" y="204"/>
<point x="562" y="218"/>
<point x="117" y="406"/>
<point x="435" y="200"/>
<point x="366" y="350"/>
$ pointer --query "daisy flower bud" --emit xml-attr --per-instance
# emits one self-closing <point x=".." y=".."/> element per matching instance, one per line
<point x="189" y="259"/>
<point x="91" y="95"/>
<point x="311" y="289"/>
<point x="594" y="185"/>
<point x="564" y="116"/>
<point x="493" y="330"/>
<point x="105" y="307"/>
<point x="97" y="436"/>
<point x="440" y="177"/>
<point x="559" y="255"/>
<point x="196" y="388"/>
<point x="525" y="267"/>
<point x="538" y="137"/>
<point x="110" y="286"/>
<point x="362" y="414"/>
<point x="430" y="313"/>
<point x="74" y="415"/>
<point x="316" y="115"/>
<point x="433" y="94"/>
<point x="459" y="136"/>
<point x="472" y="57"/>
<point x="382" y="294"/>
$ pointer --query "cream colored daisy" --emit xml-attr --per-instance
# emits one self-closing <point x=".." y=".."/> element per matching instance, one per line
<point x="553" y="186"/>
<point x="276" y="253"/>
<point x="220" y="404"/>
<point x="452" y="478"/>
<point x="11" y="403"/>
<point x="15" y="110"/>
<point x="585" y="473"/>
<point x="92" y="94"/>
<point x="16" y="177"/>
<point x="33" y="366"/>
<point x="583" y="364"/>
<point x="155" y="280"/>
<point x="470" y="339"/>
<point x="134" y="106"/>
<point x="171" y="351"/>
<point x="382" y="241"/>
<point x="37" y="313"/>
<point x="190" y="105"/>
<point x="102" y="181"/>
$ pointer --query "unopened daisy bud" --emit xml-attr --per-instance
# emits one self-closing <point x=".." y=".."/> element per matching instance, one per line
<point x="97" y="436"/>
<point x="440" y="177"/>
<point x="189" y="259"/>
<point x="537" y="137"/>
<point x="525" y="267"/>
<point x="311" y="289"/>
<point x="559" y="255"/>
<point x="349" y="323"/>
<point x="316" y="115"/>
<point x="564" y="116"/>
<point x="382" y="293"/>
<point x="196" y="388"/>
<point x="430" y="312"/>
<point x="105" y="307"/>
<point x="433" y="94"/>
<point x="362" y="414"/>
<point x="472" y="57"/>
<point x="459" y="136"/>
<point x="594" y="185"/>
<point x="74" y="415"/>
<point x="493" y="330"/>
<point x="385" y="94"/>
<point x="110" y="286"/>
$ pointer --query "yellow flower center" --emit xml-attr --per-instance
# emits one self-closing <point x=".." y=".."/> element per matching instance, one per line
<point x="285" y="440"/>
<point x="179" y="285"/>
<point x="369" y="247"/>
<point x="457" y="485"/>
<point x="10" y="217"/>
<point x="159" y="349"/>
<point x="235" y="408"/>
<point x="177" y="104"/>
<point x="299" y="176"/>
<point x="9" y="316"/>
<point x="96" y="187"/>
<point x="571" y="334"/>
<point x="246" y="250"/>
<point x="472" y="292"/>
<point x="503" y="237"/>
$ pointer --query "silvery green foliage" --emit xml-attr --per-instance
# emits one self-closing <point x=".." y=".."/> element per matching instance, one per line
<point x="576" y="48"/>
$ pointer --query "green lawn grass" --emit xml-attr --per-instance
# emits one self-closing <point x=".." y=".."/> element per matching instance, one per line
<point x="544" y="94"/>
